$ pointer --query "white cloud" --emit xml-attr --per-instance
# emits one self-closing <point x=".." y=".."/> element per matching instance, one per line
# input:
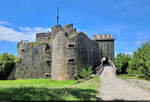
<point x="25" y="33"/>
<point x="35" y="29"/>
<point x="5" y="23"/>
<point x="130" y="53"/>
<point x="140" y="42"/>
<point x="10" y="34"/>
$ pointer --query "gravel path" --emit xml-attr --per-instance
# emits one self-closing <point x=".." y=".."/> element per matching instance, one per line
<point x="141" y="83"/>
<point x="113" y="88"/>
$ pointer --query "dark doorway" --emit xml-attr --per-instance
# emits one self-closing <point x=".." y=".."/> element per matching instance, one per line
<point x="105" y="60"/>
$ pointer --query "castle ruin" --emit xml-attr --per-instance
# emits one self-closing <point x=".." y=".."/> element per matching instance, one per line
<point x="61" y="53"/>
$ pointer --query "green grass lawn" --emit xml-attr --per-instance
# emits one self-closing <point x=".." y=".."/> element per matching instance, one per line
<point x="130" y="77"/>
<point x="48" y="89"/>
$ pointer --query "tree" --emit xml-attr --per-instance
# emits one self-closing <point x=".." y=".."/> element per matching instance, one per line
<point x="140" y="63"/>
<point x="122" y="62"/>
<point x="7" y="63"/>
<point x="7" y="57"/>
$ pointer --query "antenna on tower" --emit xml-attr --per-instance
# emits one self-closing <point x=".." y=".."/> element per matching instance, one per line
<point x="57" y="15"/>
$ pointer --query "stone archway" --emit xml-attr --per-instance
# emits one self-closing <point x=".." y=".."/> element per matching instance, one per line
<point x="104" y="60"/>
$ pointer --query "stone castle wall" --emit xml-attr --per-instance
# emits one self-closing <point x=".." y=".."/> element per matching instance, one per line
<point x="43" y="37"/>
<point x="70" y="52"/>
<point x="60" y="54"/>
<point x="88" y="50"/>
<point x="35" y="61"/>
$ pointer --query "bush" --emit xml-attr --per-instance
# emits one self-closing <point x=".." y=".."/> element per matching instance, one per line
<point x="140" y="63"/>
<point x="5" y="69"/>
<point x="7" y="63"/>
<point x="86" y="71"/>
<point x="122" y="62"/>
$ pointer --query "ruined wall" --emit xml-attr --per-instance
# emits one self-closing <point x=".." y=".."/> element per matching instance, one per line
<point x="43" y="37"/>
<point x="70" y="52"/>
<point x="106" y="48"/>
<point x="69" y="29"/>
<point x="35" y="60"/>
<point x="60" y="53"/>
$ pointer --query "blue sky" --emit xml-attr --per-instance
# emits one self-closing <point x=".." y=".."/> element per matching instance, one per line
<point x="127" y="20"/>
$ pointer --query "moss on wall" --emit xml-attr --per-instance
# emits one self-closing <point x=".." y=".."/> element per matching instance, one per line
<point x="72" y="35"/>
<point x="18" y="59"/>
<point x="35" y="44"/>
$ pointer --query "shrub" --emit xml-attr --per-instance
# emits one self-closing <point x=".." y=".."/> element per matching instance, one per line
<point x="7" y="63"/>
<point x="5" y="69"/>
<point x="122" y="62"/>
<point x="86" y="71"/>
<point x="140" y="63"/>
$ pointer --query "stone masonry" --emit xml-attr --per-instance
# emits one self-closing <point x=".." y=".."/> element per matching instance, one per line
<point x="61" y="53"/>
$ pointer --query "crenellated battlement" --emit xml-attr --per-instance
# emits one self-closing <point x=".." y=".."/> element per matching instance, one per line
<point x="43" y="37"/>
<point x="69" y="28"/>
<point x="55" y="29"/>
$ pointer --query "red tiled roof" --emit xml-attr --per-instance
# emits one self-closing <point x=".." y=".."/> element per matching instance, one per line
<point x="103" y="37"/>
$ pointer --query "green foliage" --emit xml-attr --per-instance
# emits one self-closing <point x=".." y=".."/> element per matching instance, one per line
<point x="18" y="59"/>
<point x="48" y="89"/>
<point x="122" y="62"/>
<point x="131" y="77"/>
<point x="86" y="71"/>
<point x="7" y="63"/>
<point x="7" y="57"/>
<point x="140" y="63"/>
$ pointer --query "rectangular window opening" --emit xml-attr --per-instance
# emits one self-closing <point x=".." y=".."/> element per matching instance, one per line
<point x="71" y="45"/>
<point x="71" y="60"/>
<point x="47" y="75"/>
<point x="22" y="50"/>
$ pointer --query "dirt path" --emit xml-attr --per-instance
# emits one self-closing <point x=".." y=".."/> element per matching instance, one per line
<point x="113" y="88"/>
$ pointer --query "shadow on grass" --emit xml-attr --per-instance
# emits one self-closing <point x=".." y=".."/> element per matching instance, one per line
<point x="32" y="93"/>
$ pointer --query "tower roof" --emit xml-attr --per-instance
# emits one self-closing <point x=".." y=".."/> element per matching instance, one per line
<point x="103" y="37"/>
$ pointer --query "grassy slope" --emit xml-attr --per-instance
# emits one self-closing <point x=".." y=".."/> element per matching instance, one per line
<point x="47" y="89"/>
